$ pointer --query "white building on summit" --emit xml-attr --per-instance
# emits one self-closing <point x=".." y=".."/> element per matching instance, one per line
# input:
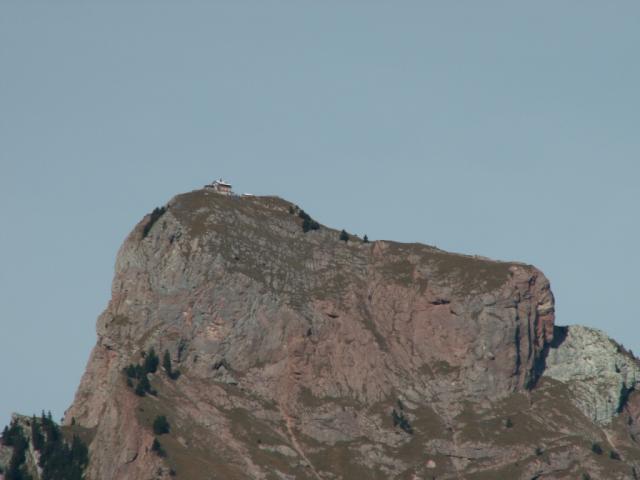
<point x="220" y="186"/>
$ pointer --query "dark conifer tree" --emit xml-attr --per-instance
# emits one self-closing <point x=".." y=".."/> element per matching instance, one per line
<point x="36" y="434"/>
<point x="156" y="447"/>
<point x="166" y="362"/>
<point x="161" y="425"/>
<point x="151" y="361"/>
<point x="143" y="386"/>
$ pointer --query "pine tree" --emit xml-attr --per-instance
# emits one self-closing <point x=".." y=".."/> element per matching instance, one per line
<point x="79" y="451"/>
<point x="161" y="425"/>
<point x="155" y="215"/>
<point x="344" y="236"/>
<point x="12" y="435"/>
<point x="36" y="435"/>
<point x="16" y="470"/>
<point x="156" y="447"/>
<point x="308" y="223"/>
<point x="143" y="386"/>
<point x="151" y="361"/>
<point x="166" y="364"/>
<point x="365" y="239"/>
<point x="131" y="371"/>
<point x="399" y="420"/>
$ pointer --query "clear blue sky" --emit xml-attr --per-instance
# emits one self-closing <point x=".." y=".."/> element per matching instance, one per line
<point x="506" y="129"/>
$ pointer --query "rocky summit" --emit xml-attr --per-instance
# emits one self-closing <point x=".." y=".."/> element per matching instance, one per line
<point x="244" y="340"/>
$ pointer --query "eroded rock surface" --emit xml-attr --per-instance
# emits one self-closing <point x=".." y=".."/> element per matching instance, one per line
<point x="303" y="356"/>
<point x="599" y="373"/>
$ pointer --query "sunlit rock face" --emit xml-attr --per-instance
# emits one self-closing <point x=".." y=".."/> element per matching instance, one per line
<point x="599" y="373"/>
<point x="303" y="356"/>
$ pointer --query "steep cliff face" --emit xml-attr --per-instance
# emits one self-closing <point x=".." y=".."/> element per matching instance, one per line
<point x="303" y="356"/>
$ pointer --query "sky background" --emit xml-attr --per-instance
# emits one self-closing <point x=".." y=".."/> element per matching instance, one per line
<point x="506" y="129"/>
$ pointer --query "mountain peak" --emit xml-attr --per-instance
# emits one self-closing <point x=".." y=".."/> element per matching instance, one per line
<point x="244" y="340"/>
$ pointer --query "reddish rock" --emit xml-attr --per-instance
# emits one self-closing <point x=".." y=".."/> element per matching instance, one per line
<point x="298" y="352"/>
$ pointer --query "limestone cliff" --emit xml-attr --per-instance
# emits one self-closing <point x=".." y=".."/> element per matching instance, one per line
<point x="302" y="356"/>
<point x="598" y="372"/>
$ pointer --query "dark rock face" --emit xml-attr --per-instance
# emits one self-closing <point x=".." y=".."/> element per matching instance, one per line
<point x="303" y="356"/>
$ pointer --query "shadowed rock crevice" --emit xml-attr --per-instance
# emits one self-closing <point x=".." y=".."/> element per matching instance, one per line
<point x="559" y="336"/>
<point x="625" y="394"/>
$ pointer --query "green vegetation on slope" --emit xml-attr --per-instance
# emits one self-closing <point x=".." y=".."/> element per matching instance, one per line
<point x="59" y="459"/>
<point x="149" y="365"/>
<point x="139" y="373"/>
<point x="155" y="215"/>
<point x="161" y="425"/>
<point x="308" y="223"/>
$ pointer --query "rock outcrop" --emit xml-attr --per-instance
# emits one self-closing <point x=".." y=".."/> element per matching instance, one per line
<point x="304" y="356"/>
<point x="599" y="373"/>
